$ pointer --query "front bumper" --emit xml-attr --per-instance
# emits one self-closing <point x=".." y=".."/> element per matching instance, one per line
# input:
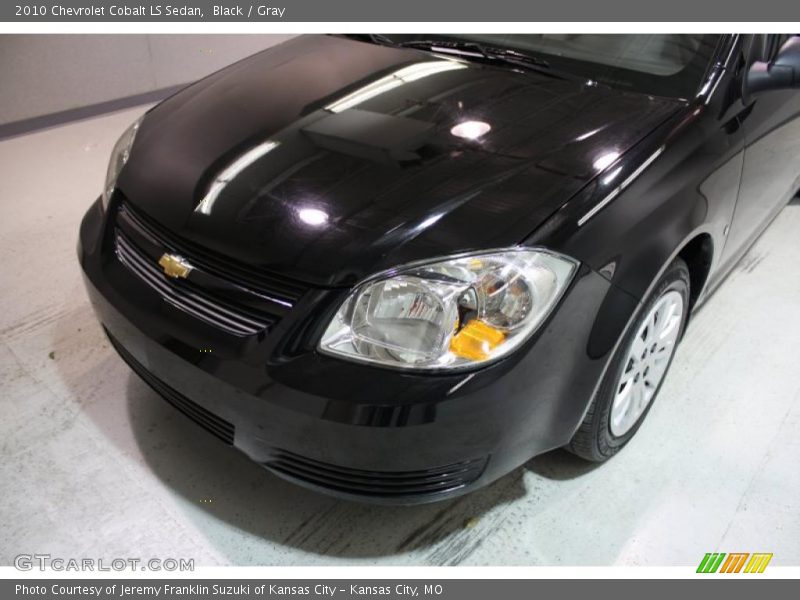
<point x="351" y="430"/>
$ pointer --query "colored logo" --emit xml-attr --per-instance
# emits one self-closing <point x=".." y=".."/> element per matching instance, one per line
<point x="174" y="266"/>
<point x="734" y="562"/>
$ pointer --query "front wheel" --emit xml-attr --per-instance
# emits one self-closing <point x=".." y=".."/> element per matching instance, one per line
<point x="637" y="370"/>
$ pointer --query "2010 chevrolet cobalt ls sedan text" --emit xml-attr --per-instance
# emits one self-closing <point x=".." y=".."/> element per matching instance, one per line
<point x="396" y="268"/>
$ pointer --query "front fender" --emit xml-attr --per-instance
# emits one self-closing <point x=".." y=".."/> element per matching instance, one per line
<point x="689" y="190"/>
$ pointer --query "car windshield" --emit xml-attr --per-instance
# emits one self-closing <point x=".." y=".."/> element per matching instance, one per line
<point x="658" y="64"/>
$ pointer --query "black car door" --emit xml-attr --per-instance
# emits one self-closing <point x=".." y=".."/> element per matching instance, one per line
<point x="771" y="170"/>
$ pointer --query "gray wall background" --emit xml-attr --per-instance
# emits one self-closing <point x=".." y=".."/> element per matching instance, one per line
<point x="46" y="74"/>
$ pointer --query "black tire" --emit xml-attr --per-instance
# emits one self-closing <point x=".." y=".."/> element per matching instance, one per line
<point x="594" y="439"/>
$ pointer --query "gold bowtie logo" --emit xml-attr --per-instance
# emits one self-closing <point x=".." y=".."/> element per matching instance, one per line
<point x="174" y="266"/>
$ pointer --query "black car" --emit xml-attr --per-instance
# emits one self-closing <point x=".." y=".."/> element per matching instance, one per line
<point x="395" y="268"/>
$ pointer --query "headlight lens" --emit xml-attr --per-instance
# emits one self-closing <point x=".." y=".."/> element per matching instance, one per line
<point x="119" y="156"/>
<point x="450" y="314"/>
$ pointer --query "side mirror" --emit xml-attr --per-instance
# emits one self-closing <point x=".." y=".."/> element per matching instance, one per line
<point x="781" y="74"/>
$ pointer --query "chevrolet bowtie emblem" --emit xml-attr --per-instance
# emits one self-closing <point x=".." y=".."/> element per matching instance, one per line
<point x="174" y="266"/>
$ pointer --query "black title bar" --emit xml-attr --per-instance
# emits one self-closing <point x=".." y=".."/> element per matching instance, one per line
<point x="783" y="11"/>
<point x="412" y="589"/>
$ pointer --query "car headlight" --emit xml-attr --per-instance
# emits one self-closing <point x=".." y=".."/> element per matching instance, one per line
<point x="449" y="314"/>
<point x="119" y="156"/>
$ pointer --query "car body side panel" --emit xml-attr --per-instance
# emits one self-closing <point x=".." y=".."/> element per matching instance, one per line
<point x="771" y="170"/>
<point x="707" y="153"/>
<point x="689" y="190"/>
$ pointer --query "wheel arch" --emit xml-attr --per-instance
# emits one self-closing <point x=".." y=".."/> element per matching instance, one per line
<point x="698" y="254"/>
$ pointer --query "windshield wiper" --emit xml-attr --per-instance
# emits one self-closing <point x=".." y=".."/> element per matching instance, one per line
<point x="489" y="54"/>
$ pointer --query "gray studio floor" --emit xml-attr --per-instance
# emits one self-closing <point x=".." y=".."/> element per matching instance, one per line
<point x="94" y="464"/>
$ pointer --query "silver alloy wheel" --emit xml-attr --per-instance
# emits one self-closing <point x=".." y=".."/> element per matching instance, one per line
<point x="646" y="362"/>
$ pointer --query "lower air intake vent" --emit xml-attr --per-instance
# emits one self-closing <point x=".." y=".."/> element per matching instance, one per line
<point x="214" y="424"/>
<point x="376" y="483"/>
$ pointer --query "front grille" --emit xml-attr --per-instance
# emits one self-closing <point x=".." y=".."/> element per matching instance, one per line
<point x="205" y="418"/>
<point x="377" y="483"/>
<point x="188" y="297"/>
<point x="283" y="290"/>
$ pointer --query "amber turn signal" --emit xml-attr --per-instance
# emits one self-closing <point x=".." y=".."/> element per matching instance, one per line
<point x="476" y="340"/>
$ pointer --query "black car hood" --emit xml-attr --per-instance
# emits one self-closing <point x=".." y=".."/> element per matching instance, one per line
<point x="328" y="159"/>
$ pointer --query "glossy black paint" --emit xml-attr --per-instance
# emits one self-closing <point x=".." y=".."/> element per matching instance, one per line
<point x="382" y="193"/>
<point x="396" y="186"/>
